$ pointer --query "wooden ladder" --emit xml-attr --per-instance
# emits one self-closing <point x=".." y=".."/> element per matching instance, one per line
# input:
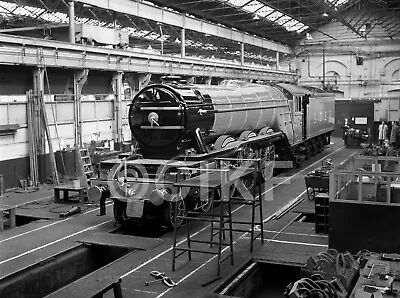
<point x="85" y="166"/>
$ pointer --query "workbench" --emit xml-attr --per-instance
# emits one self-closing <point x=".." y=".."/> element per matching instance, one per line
<point x="316" y="183"/>
<point x="66" y="189"/>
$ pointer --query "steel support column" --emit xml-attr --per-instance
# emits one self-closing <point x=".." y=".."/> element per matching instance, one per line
<point x="277" y="61"/>
<point x="183" y="38"/>
<point x="323" y="67"/>
<point x="242" y="53"/>
<point x="117" y="133"/>
<point x="37" y="123"/>
<point x="71" y="22"/>
<point x="38" y="89"/>
<point x="80" y="78"/>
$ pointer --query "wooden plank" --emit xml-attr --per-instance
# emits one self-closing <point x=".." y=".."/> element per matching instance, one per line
<point x="306" y="207"/>
<point x="121" y="241"/>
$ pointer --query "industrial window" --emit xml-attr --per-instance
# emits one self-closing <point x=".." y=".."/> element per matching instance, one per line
<point x="261" y="10"/>
<point x="297" y="104"/>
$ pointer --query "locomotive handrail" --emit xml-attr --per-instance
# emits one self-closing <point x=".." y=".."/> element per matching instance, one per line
<point x="202" y="169"/>
<point x="241" y="109"/>
<point x="150" y="108"/>
<point x="235" y="159"/>
<point x="230" y="103"/>
<point x="162" y="127"/>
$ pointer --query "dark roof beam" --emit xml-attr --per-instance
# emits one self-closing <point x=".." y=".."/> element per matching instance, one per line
<point x="334" y="12"/>
<point x="44" y="5"/>
<point x="94" y="14"/>
<point x="391" y="27"/>
<point x="372" y="26"/>
<point x="362" y="21"/>
<point x="393" y="31"/>
<point x="355" y="15"/>
<point x="143" y="10"/>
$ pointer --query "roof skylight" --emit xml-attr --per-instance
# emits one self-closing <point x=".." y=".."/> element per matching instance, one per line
<point x="11" y="9"/>
<point x="252" y="6"/>
<point x="264" y="11"/>
<point x="237" y="3"/>
<point x="302" y="29"/>
<point x="274" y="16"/>
<point x="284" y="19"/>
<point x="338" y="2"/>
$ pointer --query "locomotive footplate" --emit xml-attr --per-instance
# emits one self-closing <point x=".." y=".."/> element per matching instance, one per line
<point x="213" y="179"/>
<point x="233" y="147"/>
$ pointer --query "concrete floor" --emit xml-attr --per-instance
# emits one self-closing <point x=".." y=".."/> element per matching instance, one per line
<point x="34" y="242"/>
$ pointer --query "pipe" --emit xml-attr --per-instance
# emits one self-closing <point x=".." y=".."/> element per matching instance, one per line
<point x="200" y="141"/>
<point x="323" y="65"/>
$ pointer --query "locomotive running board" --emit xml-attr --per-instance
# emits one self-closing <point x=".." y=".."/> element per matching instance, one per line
<point x="234" y="146"/>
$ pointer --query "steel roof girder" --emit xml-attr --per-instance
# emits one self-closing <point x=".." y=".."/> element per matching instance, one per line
<point x="336" y="14"/>
<point x="38" y="52"/>
<point x="180" y="20"/>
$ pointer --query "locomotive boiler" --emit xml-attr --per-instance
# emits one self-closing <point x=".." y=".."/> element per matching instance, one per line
<point x="179" y="125"/>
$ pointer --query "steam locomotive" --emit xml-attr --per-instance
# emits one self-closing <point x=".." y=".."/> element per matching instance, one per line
<point x="178" y="126"/>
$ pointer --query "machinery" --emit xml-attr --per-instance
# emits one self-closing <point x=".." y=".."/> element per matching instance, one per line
<point x="91" y="35"/>
<point x="328" y="274"/>
<point x="187" y="126"/>
<point x="354" y="137"/>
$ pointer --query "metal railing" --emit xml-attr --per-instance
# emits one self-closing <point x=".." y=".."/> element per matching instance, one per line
<point x="364" y="179"/>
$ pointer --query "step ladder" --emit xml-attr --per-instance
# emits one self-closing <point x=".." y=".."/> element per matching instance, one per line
<point x="255" y="201"/>
<point x="211" y="180"/>
<point x="84" y="166"/>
